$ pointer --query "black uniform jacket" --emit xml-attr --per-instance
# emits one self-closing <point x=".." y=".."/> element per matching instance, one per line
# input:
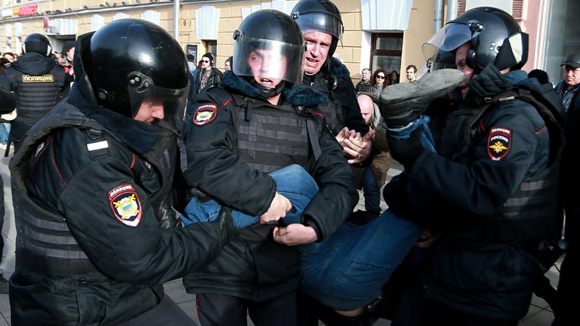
<point x="97" y="184"/>
<point x="333" y="80"/>
<point x="260" y="268"/>
<point x="463" y="193"/>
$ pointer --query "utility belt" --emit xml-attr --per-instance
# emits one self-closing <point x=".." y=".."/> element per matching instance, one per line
<point x="51" y="266"/>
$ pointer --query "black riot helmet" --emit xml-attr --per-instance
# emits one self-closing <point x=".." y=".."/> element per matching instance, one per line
<point x="322" y="16"/>
<point x="495" y="38"/>
<point x="269" y="43"/>
<point x="130" y="60"/>
<point x="37" y="43"/>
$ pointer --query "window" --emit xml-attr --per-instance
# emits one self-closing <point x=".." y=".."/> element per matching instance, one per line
<point x="386" y="51"/>
<point x="211" y="46"/>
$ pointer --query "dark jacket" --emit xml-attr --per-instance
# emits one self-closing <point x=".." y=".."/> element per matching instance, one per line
<point x="475" y="195"/>
<point x="342" y="109"/>
<point x="91" y="188"/>
<point x="228" y="158"/>
<point x="215" y="76"/>
<point x="38" y="83"/>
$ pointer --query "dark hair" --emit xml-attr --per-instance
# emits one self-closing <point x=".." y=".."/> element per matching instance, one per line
<point x="387" y="81"/>
<point x="394" y="77"/>
<point x="190" y="57"/>
<point x="209" y="56"/>
<point x="411" y="66"/>
<point x="540" y="75"/>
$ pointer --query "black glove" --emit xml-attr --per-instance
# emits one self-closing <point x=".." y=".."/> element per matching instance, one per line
<point x="408" y="150"/>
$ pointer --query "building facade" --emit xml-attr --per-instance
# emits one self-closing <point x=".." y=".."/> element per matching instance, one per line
<point x="385" y="34"/>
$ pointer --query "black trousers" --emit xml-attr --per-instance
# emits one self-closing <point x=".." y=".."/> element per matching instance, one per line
<point x="226" y="310"/>
<point x="167" y="312"/>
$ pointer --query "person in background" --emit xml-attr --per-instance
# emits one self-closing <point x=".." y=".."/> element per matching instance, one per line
<point x="11" y="57"/>
<point x="364" y="85"/>
<point x="411" y="73"/>
<point x="540" y="75"/>
<point x="568" y="294"/>
<point x="374" y="175"/>
<point x="379" y="81"/>
<point x="207" y="75"/>
<point x="228" y="64"/>
<point x="36" y="83"/>
<point x="93" y="188"/>
<point x="66" y="61"/>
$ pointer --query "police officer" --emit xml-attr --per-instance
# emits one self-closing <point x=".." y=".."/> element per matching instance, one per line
<point x="322" y="28"/>
<point x="92" y="188"/>
<point x="37" y="83"/>
<point x="491" y="185"/>
<point x="260" y="118"/>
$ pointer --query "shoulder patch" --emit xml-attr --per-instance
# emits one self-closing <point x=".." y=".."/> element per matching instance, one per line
<point x="205" y="114"/>
<point x="499" y="143"/>
<point x="125" y="204"/>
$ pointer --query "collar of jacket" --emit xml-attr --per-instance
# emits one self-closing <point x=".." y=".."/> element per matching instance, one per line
<point x="295" y="95"/>
<point x="34" y="64"/>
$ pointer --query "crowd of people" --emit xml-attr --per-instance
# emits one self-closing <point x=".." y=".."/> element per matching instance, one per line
<point x="148" y="166"/>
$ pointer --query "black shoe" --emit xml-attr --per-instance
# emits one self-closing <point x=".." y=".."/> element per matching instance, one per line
<point x="401" y="104"/>
<point x="3" y="285"/>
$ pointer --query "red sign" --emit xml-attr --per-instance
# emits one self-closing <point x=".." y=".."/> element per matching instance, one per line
<point x="28" y="10"/>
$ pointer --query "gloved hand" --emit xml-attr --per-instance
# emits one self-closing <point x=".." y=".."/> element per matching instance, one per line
<point x="406" y="151"/>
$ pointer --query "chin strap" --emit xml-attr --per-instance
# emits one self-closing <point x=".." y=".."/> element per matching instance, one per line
<point x="268" y="92"/>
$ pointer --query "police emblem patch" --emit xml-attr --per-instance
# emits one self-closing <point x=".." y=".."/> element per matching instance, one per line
<point x="205" y="114"/>
<point x="125" y="204"/>
<point x="499" y="143"/>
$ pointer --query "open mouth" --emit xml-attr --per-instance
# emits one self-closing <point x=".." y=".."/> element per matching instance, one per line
<point x="266" y="81"/>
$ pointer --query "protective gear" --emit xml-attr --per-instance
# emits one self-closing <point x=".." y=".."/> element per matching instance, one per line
<point x="320" y="15"/>
<point x="37" y="43"/>
<point x="495" y="37"/>
<point x="442" y="60"/>
<point x="130" y="60"/>
<point x="408" y="150"/>
<point x="269" y="45"/>
<point x="401" y="104"/>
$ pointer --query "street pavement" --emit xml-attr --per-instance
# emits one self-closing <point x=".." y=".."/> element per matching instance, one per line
<point x="539" y="313"/>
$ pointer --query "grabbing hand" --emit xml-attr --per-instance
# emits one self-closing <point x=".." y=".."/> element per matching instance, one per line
<point x="278" y="208"/>
<point x="358" y="147"/>
<point x="295" y="234"/>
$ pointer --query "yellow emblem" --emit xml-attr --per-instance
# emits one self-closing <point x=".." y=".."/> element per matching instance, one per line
<point x="127" y="207"/>
<point x="498" y="147"/>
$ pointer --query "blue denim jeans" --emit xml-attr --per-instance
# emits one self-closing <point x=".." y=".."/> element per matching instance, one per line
<point x="405" y="132"/>
<point x="292" y="181"/>
<point x="349" y="269"/>
<point x="4" y="132"/>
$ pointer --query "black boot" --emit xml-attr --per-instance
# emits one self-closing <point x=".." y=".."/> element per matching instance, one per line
<point x="401" y="104"/>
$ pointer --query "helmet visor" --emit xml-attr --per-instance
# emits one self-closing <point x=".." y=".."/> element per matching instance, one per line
<point x="141" y="88"/>
<point x="320" y="22"/>
<point x="450" y="37"/>
<point x="268" y="60"/>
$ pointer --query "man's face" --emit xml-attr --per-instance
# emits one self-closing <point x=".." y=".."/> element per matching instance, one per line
<point x="227" y="66"/>
<point x="366" y="107"/>
<point x="571" y="75"/>
<point x="9" y="57"/>
<point x="268" y="67"/>
<point x="461" y="63"/>
<point x="317" y="47"/>
<point x="366" y="75"/>
<point x="205" y="63"/>
<point x="410" y="74"/>
<point x="149" y="111"/>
